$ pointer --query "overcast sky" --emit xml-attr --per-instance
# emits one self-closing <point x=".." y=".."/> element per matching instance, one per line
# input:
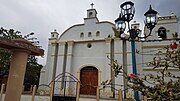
<point x="43" y="16"/>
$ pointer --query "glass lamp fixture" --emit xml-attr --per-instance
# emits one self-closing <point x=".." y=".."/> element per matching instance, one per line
<point x="150" y="18"/>
<point x="128" y="10"/>
<point x="120" y="23"/>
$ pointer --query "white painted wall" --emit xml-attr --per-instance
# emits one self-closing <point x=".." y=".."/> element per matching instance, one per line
<point x="94" y="56"/>
<point x="73" y="33"/>
<point x="47" y="70"/>
<point x="169" y="22"/>
<point x="149" y="49"/>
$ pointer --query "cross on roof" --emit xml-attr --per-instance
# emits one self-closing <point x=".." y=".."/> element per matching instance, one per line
<point x="92" y="5"/>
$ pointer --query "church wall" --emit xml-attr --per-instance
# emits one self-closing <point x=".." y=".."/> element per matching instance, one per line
<point x="94" y="56"/>
<point x="77" y="49"/>
<point x="149" y="49"/>
<point x="52" y="64"/>
<point x="48" y="68"/>
<point x="139" y="63"/>
<point x="168" y="22"/>
<point x="73" y="33"/>
<point x="61" y="61"/>
<point x="118" y="52"/>
<point x="69" y="56"/>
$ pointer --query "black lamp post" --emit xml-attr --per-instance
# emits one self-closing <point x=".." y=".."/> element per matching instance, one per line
<point x="126" y="15"/>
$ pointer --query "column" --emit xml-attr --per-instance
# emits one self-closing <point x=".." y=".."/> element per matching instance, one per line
<point x="61" y="62"/>
<point x="69" y="56"/>
<point x="118" y="50"/>
<point x="70" y="85"/>
<point x="106" y="72"/>
<point x="16" y="75"/>
<point x="60" y="67"/>
<point x="52" y="62"/>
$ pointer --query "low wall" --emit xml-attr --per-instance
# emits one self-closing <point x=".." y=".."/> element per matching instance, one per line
<point x="94" y="99"/>
<point x="29" y="98"/>
<point x="47" y="98"/>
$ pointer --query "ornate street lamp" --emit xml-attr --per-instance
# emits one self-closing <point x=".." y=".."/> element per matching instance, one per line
<point x="150" y="20"/>
<point x="120" y="24"/>
<point x="128" y="10"/>
<point x="126" y="15"/>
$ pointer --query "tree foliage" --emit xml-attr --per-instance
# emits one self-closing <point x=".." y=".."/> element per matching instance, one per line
<point x="32" y="72"/>
<point x="33" y="68"/>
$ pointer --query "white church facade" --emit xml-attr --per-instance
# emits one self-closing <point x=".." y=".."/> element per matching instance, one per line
<point x="83" y="50"/>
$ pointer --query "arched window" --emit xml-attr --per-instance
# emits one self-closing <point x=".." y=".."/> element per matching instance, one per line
<point x="90" y="14"/>
<point x="97" y="33"/>
<point x="89" y="34"/>
<point x="82" y="35"/>
<point x="162" y="33"/>
<point x="52" y="35"/>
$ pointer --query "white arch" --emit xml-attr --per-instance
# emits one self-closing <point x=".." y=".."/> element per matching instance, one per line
<point x="95" y="66"/>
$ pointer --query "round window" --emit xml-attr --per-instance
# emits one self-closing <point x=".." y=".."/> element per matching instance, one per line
<point x="89" y="45"/>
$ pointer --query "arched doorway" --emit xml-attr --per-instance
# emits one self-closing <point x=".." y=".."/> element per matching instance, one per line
<point x="89" y="80"/>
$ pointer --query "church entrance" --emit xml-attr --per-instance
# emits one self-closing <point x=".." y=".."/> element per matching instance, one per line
<point x="89" y="80"/>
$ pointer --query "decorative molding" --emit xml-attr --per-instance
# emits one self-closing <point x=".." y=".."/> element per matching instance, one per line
<point x="160" y="23"/>
<point x="167" y="17"/>
<point x="53" y="44"/>
<point x="108" y="40"/>
<point x="154" y="46"/>
<point x="62" y="43"/>
<point x="86" y="65"/>
<point x="117" y="39"/>
<point x="107" y="53"/>
<point x="53" y="55"/>
<point x="70" y="43"/>
<point x="69" y="54"/>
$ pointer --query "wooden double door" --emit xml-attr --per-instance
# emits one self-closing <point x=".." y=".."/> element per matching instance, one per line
<point x="89" y="80"/>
